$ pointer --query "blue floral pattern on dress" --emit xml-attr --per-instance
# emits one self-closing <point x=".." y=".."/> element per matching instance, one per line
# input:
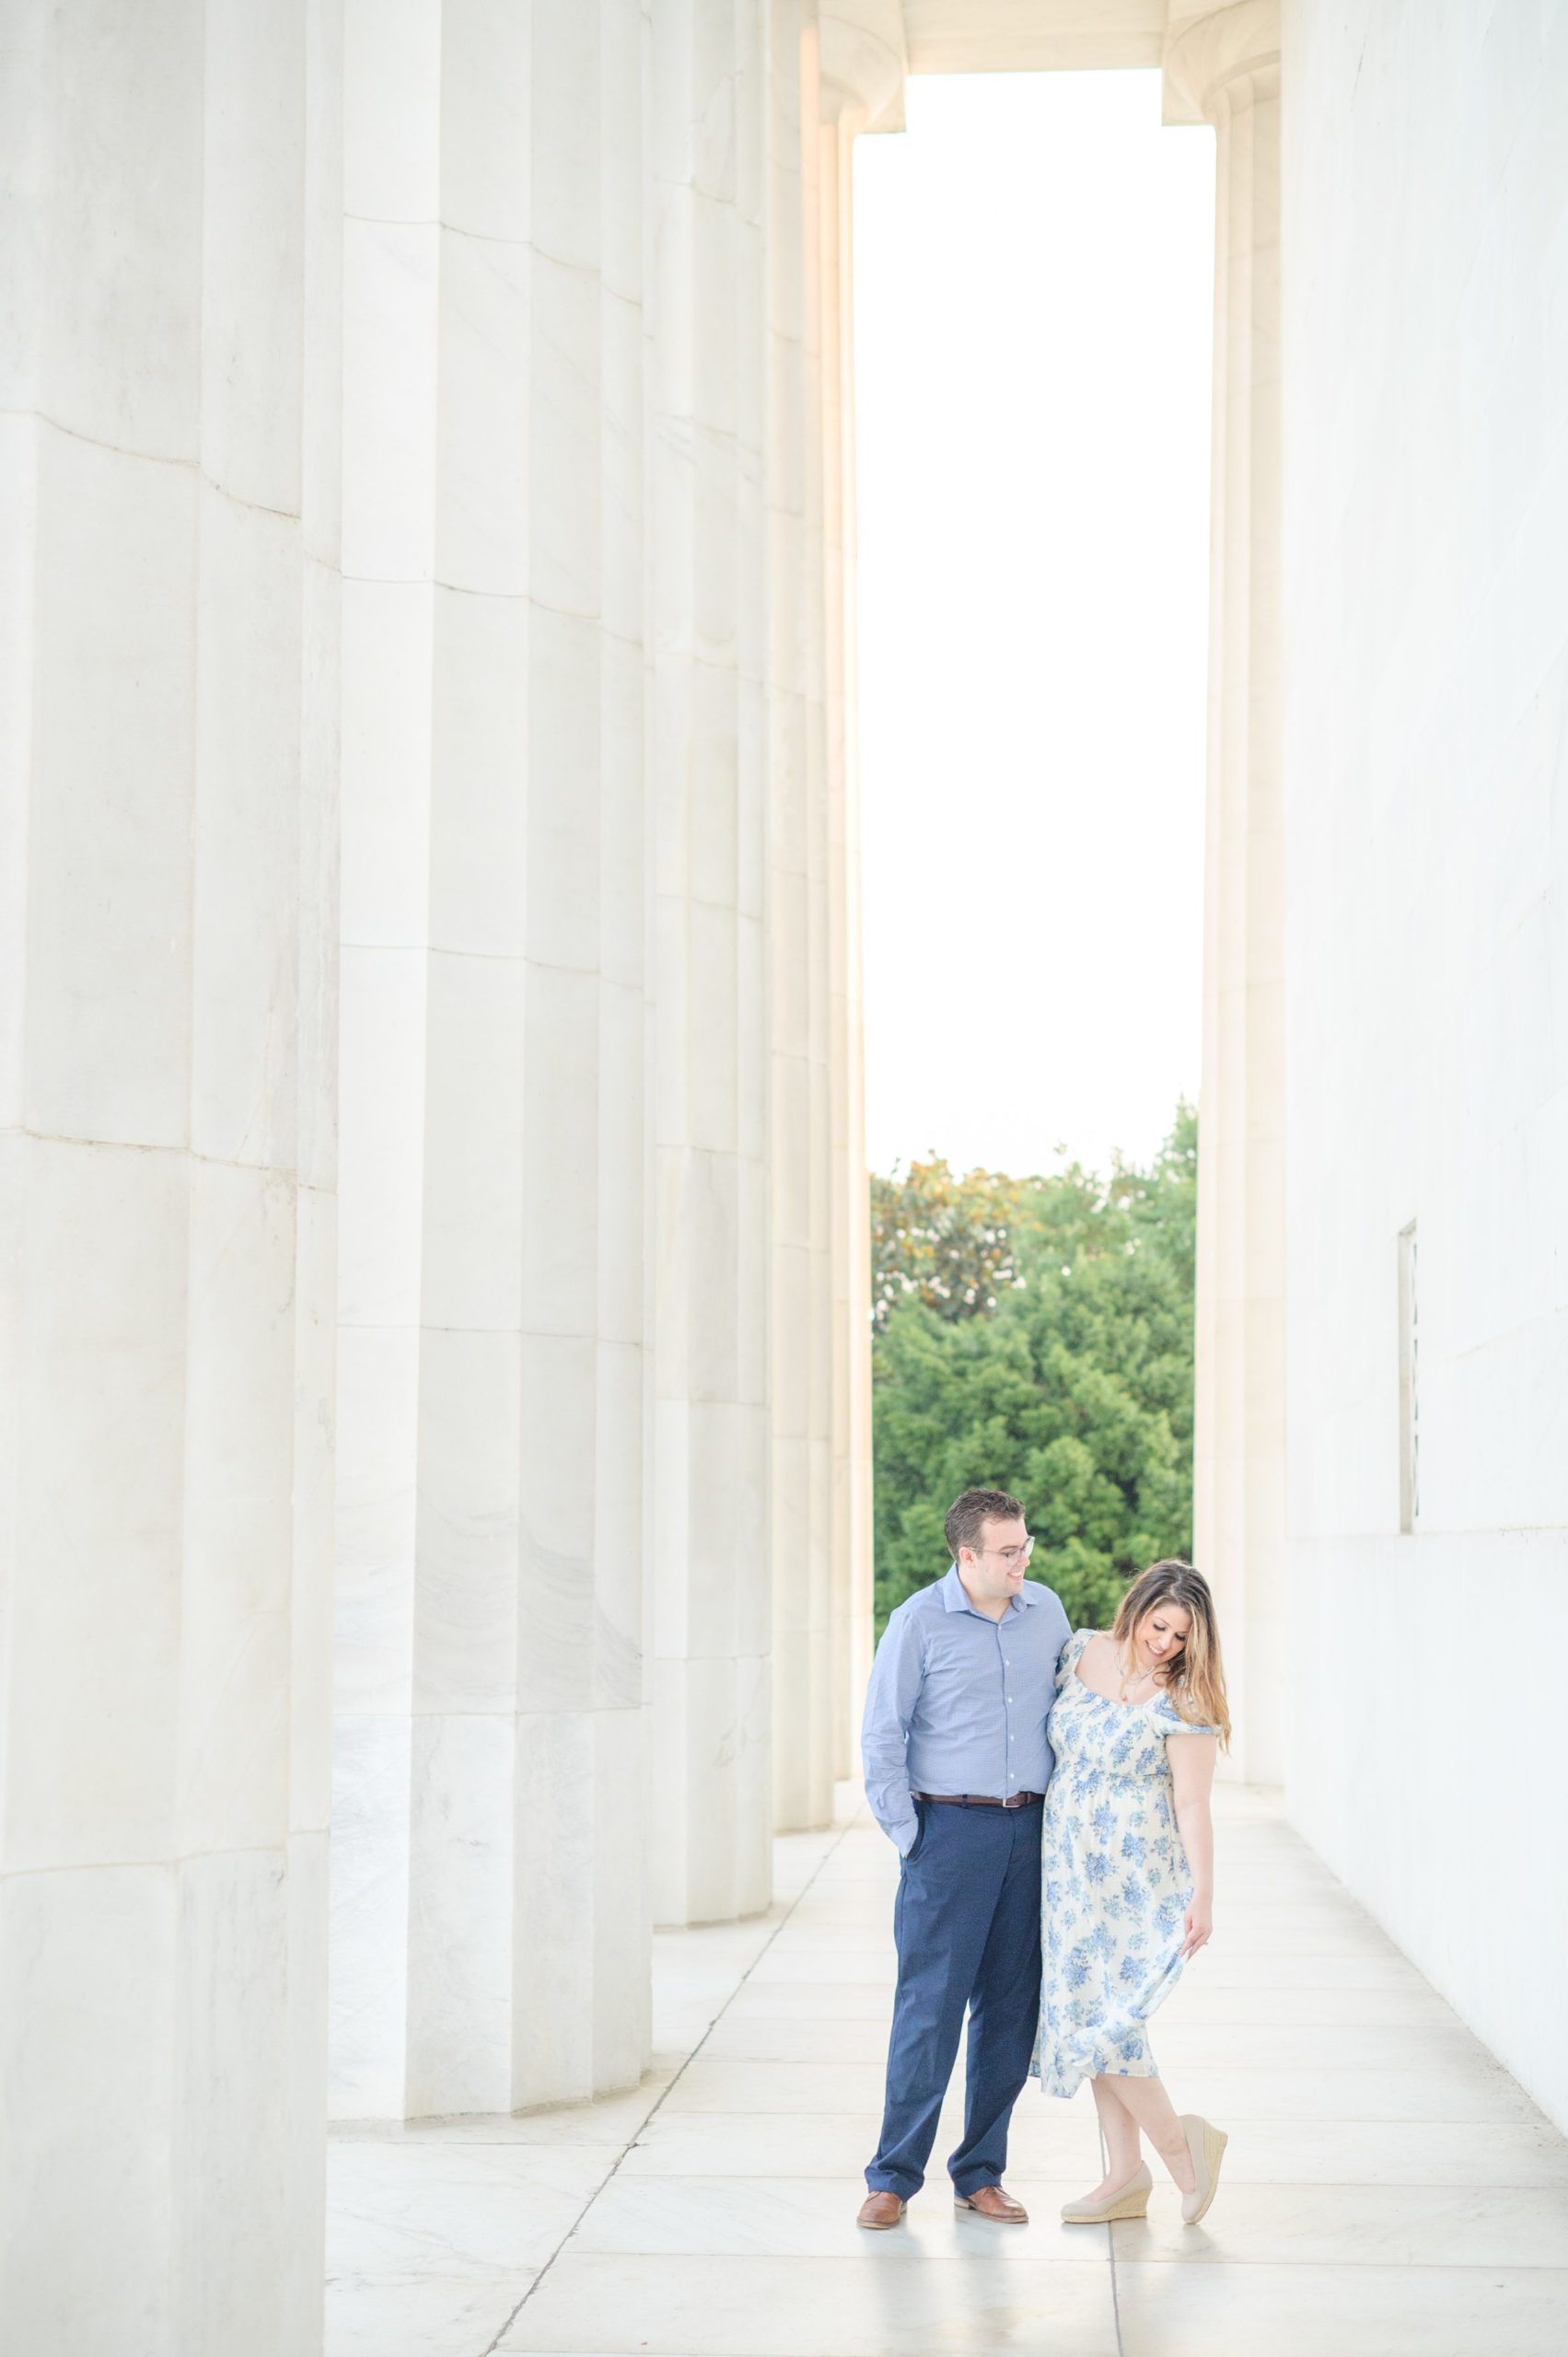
<point x="1115" y="1883"/>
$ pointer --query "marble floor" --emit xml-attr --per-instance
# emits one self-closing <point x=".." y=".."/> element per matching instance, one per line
<point x="1388" y="2188"/>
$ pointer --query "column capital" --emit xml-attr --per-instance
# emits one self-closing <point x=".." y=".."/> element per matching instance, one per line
<point x="865" y="63"/>
<point x="1208" y="49"/>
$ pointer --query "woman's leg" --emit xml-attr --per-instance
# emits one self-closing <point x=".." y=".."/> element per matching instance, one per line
<point x="1154" y="2113"/>
<point x="1123" y="2147"/>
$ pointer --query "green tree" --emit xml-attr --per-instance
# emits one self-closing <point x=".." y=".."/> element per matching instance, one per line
<point x="1070" y="1382"/>
<point x="941" y="1240"/>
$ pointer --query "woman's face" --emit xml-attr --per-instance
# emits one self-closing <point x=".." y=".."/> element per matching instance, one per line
<point x="1161" y="1633"/>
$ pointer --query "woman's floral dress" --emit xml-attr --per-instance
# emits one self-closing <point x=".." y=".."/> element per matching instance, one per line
<point x="1115" y="1884"/>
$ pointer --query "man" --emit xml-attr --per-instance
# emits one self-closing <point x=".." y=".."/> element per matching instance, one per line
<point x="957" y="1763"/>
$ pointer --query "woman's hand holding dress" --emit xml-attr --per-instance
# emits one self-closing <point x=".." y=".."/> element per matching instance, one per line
<point x="1197" y="1927"/>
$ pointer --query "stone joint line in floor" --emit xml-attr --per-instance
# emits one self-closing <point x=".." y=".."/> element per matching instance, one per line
<point x="1388" y="2189"/>
<point x="665" y="2093"/>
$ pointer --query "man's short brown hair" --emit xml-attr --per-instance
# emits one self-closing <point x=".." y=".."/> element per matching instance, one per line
<point x="968" y="1515"/>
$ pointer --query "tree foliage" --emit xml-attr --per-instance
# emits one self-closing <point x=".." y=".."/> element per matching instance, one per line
<point x="1036" y="1335"/>
<point x="941" y="1239"/>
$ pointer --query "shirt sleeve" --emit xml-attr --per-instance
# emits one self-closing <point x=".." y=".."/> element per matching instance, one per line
<point x="890" y="1698"/>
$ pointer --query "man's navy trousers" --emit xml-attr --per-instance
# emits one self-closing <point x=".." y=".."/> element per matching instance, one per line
<point x="966" y="1924"/>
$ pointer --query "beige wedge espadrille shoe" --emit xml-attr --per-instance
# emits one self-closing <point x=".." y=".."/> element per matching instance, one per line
<point x="1206" y="2143"/>
<point x="1129" y="2200"/>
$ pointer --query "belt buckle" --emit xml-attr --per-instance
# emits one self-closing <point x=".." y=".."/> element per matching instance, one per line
<point x="1017" y="1801"/>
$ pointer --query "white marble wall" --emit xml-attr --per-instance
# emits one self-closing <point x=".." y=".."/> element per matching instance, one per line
<point x="168" y="975"/>
<point x="490" y="1915"/>
<point x="1425" y="208"/>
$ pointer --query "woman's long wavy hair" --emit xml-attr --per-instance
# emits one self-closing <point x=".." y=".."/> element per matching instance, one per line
<point x="1196" y="1678"/>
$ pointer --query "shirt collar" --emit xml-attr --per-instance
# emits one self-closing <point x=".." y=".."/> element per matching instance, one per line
<point x="955" y="1595"/>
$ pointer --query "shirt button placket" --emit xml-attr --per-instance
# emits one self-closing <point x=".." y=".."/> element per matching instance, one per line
<point x="1006" y="1700"/>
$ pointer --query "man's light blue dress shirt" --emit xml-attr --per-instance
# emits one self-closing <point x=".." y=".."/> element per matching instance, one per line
<point x="957" y="1703"/>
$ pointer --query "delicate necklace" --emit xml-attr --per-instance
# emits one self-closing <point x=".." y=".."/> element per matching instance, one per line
<point x="1135" y="1678"/>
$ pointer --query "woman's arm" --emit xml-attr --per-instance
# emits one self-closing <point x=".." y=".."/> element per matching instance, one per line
<point x="1192" y="1758"/>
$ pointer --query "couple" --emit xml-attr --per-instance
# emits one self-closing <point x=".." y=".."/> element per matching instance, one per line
<point x="1004" y="1754"/>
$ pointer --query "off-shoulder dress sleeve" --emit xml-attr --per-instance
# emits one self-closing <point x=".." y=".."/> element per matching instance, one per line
<point x="1167" y="1719"/>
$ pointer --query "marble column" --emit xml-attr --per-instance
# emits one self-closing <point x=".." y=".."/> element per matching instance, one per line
<point x="490" y="1920"/>
<point x="167" y="971"/>
<point x="852" y="1640"/>
<point x="707" y="620"/>
<point x="1224" y="66"/>
<point x="863" y="72"/>
<point x="851" y="77"/>
<point x="801" y="1353"/>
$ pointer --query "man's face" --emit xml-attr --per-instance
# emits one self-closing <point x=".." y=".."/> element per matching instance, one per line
<point x="995" y="1569"/>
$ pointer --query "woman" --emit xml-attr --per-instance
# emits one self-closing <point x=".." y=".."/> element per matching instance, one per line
<point x="1128" y="1884"/>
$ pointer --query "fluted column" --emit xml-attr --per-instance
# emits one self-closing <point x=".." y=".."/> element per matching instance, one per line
<point x="848" y="76"/>
<point x="489" y="1900"/>
<point x="1224" y="67"/>
<point x="863" y="92"/>
<point x="708" y="756"/>
<point x="167" y="967"/>
<point x="799" y="945"/>
<point x="848" y="1193"/>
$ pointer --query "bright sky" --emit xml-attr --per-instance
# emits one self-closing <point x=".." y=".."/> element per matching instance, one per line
<point x="1033" y="279"/>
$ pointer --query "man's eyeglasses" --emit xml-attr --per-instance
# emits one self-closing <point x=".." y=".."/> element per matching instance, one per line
<point x="1012" y="1556"/>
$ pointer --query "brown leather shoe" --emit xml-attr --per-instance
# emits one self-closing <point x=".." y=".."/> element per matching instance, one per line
<point x="992" y="2202"/>
<point x="880" y="2211"/>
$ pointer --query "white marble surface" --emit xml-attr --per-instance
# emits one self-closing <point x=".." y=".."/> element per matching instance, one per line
<point x="169" y="1172"/>
<point x="1014" y="35"/>
<point x="542" y="324"/>
<point x="714" y="2211"/>
<point x="806" y="527"/>
<point x="491" y="1409"/>
<point x="108" y="1007"/>
<point x="708" y="784"/>
<point x="1226" y="70"/>
<point x="1427" y="611"/>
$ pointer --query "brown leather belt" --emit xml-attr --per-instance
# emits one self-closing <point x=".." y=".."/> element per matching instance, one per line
<point x="977" y="1800"/>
